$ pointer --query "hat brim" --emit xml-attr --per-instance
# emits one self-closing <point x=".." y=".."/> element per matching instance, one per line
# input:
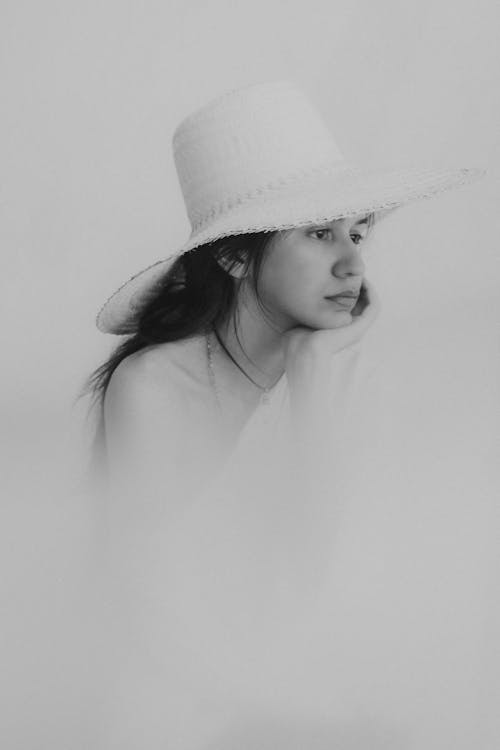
<point x="310" y="200"/>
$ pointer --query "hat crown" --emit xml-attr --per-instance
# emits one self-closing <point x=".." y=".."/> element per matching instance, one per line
<point x="247" y="141"/>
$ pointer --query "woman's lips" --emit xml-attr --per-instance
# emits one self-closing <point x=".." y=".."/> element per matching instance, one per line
<point x="343" y="301"/>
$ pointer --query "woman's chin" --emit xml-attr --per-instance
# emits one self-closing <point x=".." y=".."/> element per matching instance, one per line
<point x="337" y="320"/>
<point x="322" y="322"/>
<point x="342" y="318"/>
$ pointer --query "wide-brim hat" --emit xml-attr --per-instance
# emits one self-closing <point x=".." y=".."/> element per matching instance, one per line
<point x="261" y="158"/>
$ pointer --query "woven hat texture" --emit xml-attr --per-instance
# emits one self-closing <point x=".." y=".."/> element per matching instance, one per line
<point x="262" y="158"/>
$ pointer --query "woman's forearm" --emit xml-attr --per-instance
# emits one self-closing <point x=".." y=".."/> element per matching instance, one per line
<point x="320" y="397"/>
<point x="320" y="390"/>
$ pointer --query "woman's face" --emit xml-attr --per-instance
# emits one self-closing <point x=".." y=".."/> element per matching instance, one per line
<point x="304" y="266"/>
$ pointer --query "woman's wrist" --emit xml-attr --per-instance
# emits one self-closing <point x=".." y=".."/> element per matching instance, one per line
<point x="321" y="379"/>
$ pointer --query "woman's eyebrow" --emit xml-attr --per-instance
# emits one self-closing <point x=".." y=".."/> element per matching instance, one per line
<point x="329" y="224"/>
<point x="364" y="220"/>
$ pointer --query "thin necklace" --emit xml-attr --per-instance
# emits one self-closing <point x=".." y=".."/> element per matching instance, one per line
<point x="265" y="389"/>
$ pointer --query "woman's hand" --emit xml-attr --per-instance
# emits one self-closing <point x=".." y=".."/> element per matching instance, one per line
<point x="305" y="346"/>
<point x="321" y="386"/>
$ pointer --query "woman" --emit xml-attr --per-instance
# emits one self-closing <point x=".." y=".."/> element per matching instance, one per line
<point x="246" y="337"/>
<point x="279" y="220"/>
<point x="288" y="284"/>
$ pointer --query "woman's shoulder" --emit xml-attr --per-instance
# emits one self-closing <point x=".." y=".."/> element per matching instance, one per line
<point x="174" y="366"/>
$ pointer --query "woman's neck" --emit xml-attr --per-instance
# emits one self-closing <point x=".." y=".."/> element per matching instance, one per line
<point x="255" y="345"/>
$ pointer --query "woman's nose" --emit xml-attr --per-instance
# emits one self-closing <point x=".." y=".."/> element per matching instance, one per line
<point x="348" y="260"/>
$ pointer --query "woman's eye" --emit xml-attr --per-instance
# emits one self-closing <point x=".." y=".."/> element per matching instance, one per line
<point x="320" y="232"/>
<point x="357" y="238"/>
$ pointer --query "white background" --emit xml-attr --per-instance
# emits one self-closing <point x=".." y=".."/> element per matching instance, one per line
<point x="91" y="94"/>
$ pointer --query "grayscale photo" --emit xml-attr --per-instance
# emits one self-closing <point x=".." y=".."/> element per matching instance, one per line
<point x="251" y="395"/>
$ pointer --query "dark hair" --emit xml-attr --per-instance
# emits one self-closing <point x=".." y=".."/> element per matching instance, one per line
<point x="196" y="293"/>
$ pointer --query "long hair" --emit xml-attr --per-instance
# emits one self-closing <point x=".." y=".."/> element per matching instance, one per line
<point x="196" y="293"/>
